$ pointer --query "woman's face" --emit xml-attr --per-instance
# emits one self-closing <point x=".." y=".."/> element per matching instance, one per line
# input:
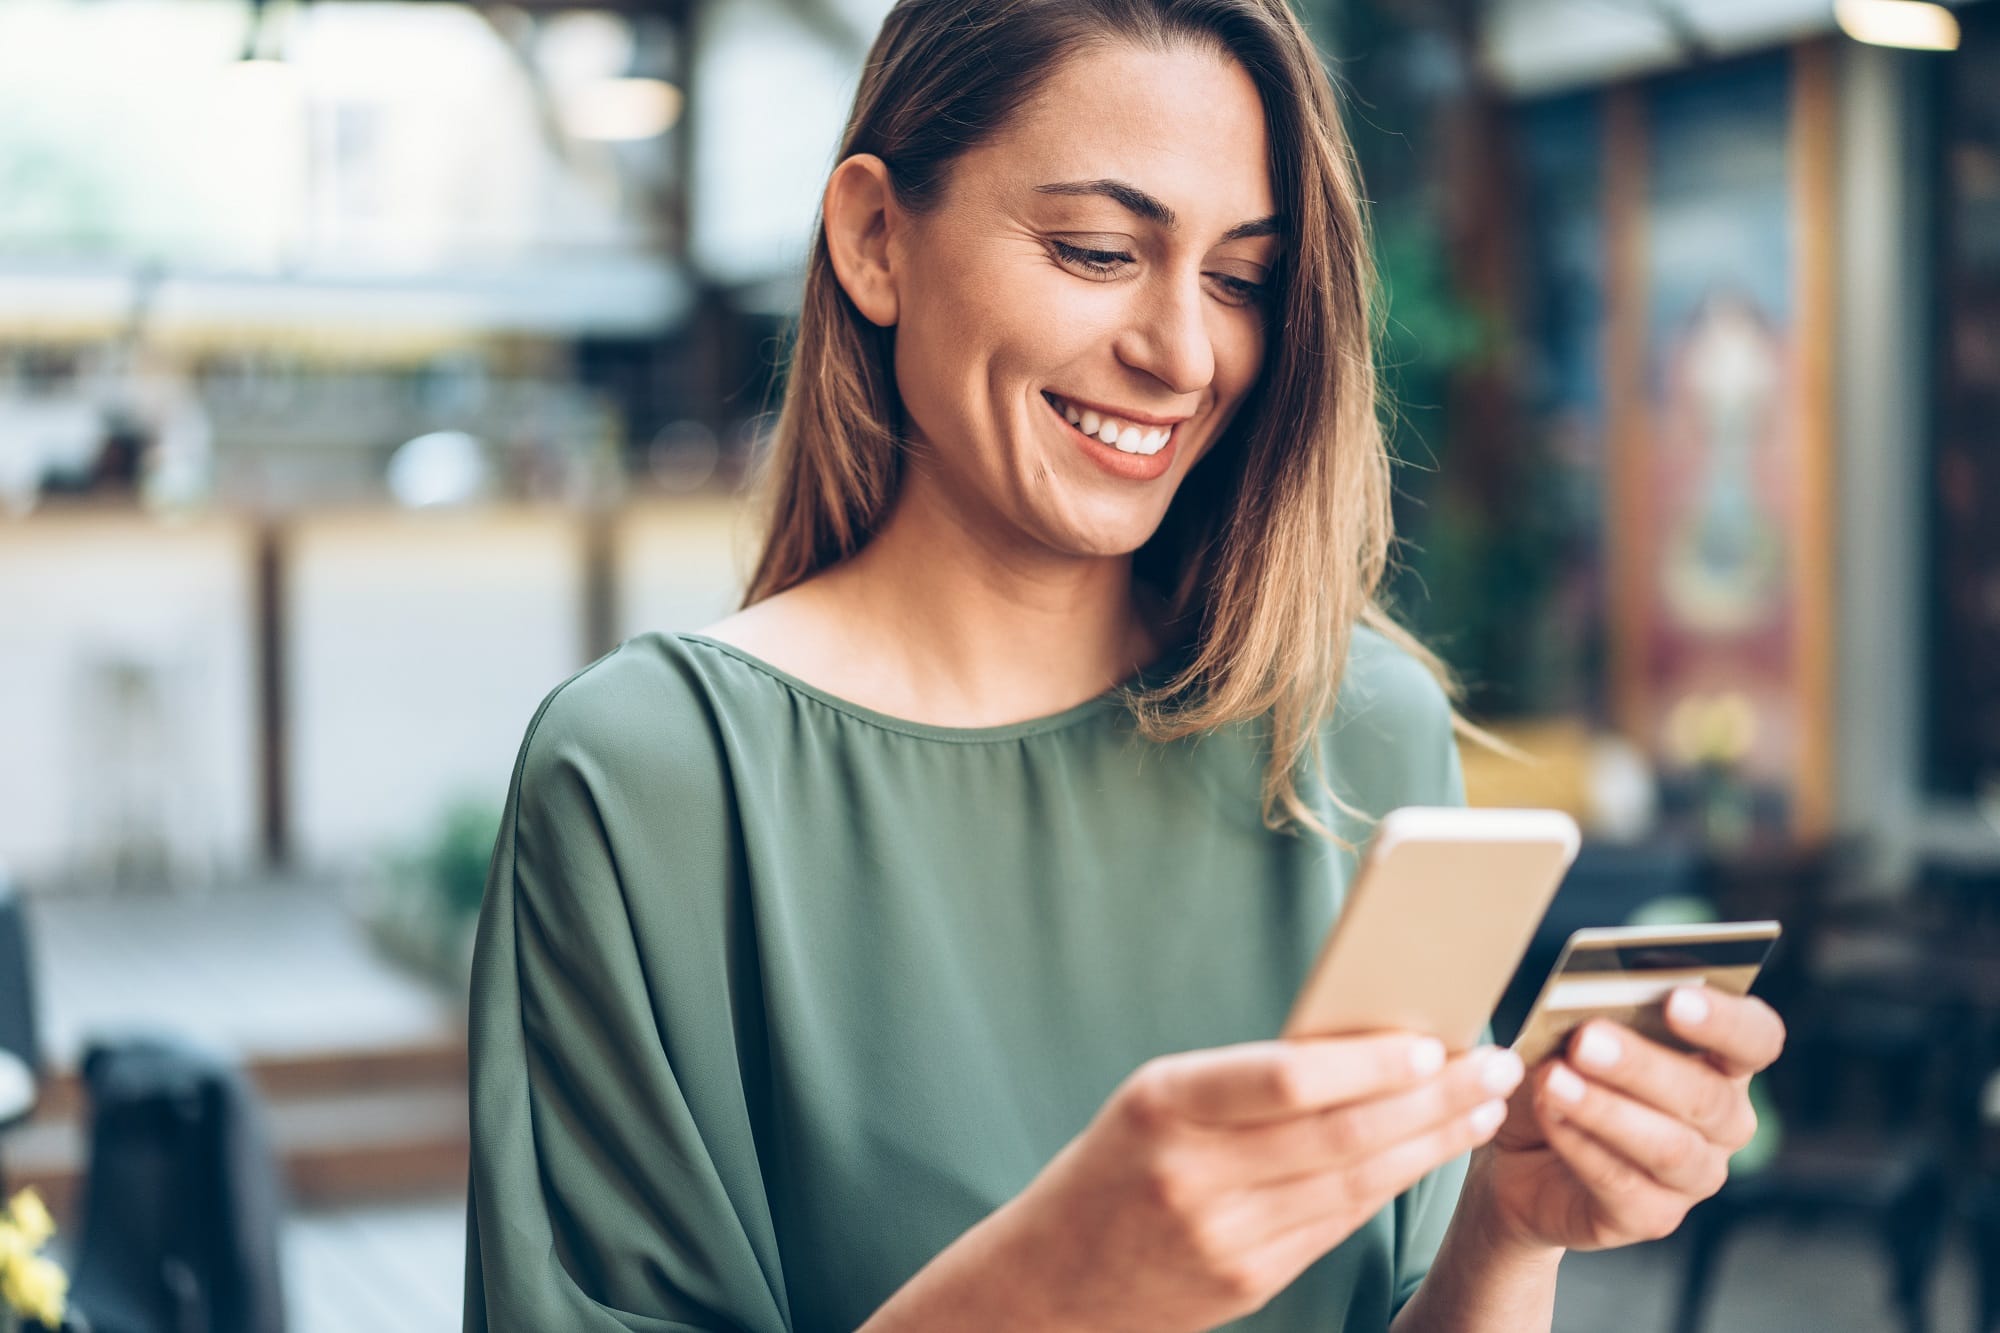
<point x="1101" y="258"/>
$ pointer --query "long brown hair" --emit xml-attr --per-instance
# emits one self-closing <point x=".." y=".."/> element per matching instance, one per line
<point x="1268" y="564"/>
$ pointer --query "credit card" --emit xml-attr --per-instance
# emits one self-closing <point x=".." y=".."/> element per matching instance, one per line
<point x="1625" y="973"/>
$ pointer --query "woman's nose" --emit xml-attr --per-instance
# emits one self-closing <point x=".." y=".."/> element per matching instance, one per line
<point x="1169" y="336"/>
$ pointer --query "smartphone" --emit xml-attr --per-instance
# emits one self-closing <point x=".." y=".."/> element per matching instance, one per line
<point x="1444" y="905"/>
<point x="1626" y="972"/>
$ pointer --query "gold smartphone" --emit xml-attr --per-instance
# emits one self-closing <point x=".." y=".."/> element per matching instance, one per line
<point x="1442" y="908"/>
<point x="1626" y="972"/>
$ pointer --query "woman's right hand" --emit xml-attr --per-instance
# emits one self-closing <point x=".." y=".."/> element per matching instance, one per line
<point x="1211" y="1179"/>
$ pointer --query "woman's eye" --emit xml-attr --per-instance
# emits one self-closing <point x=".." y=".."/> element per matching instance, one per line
<point x="1241" y="291"/>
<point x="1099" y="262"/>
<point x="1103" y="263"/>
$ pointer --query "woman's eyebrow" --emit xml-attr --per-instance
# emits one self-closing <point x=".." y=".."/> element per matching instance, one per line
<point x="1153" y="210"/>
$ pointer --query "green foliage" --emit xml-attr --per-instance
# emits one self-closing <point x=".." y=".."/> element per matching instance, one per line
<point x="454" y="863"/>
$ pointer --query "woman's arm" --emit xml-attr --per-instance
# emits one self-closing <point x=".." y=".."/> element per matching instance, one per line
<point x="1481" y="1281"/>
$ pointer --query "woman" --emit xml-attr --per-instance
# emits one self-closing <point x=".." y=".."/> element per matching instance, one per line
<point x="904" y="952"/>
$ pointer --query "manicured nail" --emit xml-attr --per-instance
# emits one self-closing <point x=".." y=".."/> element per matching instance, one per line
<point x="1687" y="1006"/>
<point x="1598" y="1048"/>
<point x="1564" y="1085"/>
<point x="1502" y="1072"/>
<point x="1427" y="1056"/>
<point x="1487" y="1118"/>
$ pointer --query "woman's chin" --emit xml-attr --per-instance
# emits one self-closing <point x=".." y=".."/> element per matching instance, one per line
<point x="1104" y="528"/>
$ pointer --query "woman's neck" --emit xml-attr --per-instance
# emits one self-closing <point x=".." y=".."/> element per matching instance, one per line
<point x="940" y="620"/>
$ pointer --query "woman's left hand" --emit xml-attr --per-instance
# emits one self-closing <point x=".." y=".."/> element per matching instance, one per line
<point x="1615" y="1138"/>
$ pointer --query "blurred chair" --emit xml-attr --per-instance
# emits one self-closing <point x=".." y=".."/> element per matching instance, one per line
<point x="1983" y="1207"/>
<point x="1859" y="1093"/>
<point x="183" y="1202"/>
<point x="143" y="803"/>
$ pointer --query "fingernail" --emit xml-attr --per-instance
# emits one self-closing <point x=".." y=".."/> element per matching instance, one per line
<point x="1427" y="1056"/>
<point x="1598" y="1048"/>
<point x="1564" y="1085"/>
<point x="1502" y="1071"/>
<point x="1488" y="1116"/>
<point x="1687" y="1006"/>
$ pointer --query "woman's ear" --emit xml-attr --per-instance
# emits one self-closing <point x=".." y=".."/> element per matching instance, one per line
<point x="860" y="212"/>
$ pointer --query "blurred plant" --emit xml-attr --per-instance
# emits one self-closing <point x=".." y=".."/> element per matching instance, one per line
<point x="1486" y="542"/>
<point x="459" y="854"/>
<point x="425" y="907"/>
<point x="33" y="1287"/>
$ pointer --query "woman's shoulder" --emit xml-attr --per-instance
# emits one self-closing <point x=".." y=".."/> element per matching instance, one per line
<point x="1390" y="741"/>
<point x="1387" y="684"/>
<point x="645" y="716"/>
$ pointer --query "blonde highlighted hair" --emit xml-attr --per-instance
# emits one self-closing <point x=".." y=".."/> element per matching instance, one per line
<point x="1270" y="562"/>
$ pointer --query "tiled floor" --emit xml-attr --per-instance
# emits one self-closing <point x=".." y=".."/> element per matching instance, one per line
<point x="271" y="970"/>
<point x="389" y="1269"/>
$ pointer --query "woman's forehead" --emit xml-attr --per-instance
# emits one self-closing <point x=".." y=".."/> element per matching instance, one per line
<point x="1184" y="126"/>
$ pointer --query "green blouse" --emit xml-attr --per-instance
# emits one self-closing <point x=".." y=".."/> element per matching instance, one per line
<point x="775" y="996"/>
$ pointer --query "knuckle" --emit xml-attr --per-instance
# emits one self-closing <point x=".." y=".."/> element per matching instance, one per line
<point x="1239" y="1278"/>
<point x="1746" y="1129"/>
<point x="1662" y="1221"/>
<point x="1683" y="1153"/>
<point x="1147" y="1098"/>
<point x="1286" y="1083"/>
<point x="1355" y="1184"/>
<point x="1716" y="1102"/>
<point x="1617" y="1179"/>
<point x="1340" y="1135"/>
<point x="1169" y="1185"/>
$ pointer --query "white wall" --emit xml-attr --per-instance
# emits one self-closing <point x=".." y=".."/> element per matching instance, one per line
<point x="127" y="694"/>
<point x="417" y="648"/>
<point x="679" y="565"/>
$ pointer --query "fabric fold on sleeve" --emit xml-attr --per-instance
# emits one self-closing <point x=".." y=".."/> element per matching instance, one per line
<point x="595" y="1202"/>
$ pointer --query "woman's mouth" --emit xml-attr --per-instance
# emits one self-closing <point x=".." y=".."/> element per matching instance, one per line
<point x="1124" y="436"/>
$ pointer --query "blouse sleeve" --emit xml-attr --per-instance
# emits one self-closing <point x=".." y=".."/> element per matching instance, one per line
<point x="607" y="1190"/>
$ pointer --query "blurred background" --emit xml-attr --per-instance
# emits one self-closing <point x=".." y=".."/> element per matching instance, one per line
<point x="368" y="366"/>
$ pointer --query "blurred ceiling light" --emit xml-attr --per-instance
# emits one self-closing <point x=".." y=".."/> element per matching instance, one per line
<point x="619" y="110"/>
<point x="1912" y="24"/>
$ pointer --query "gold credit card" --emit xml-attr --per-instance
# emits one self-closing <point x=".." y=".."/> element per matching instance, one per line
<point x="1625" y="973"/>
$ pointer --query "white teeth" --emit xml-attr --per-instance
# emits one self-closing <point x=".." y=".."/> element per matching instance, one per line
<point x="1124" y="438"/>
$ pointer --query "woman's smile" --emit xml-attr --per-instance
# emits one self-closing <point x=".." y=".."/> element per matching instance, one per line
<point x="1127" y="447"/>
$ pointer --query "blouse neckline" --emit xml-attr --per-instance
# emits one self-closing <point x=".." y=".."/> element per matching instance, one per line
<point x="1111" y="700"/>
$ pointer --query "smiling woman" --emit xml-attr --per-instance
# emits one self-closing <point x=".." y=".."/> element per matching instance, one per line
<point x="905" y="951"/>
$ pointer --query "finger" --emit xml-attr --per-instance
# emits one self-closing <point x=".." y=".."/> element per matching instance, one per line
<point x="1311" y="1144"/>
<point x="1740" y="1033"/>
<point x="1267" y="1080"/>
<point x="1673" y="1153"/>
<point x="1347" y="1195"/>
<point x="1634" y="1206"/>
<point x="1688" y="1088"/>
